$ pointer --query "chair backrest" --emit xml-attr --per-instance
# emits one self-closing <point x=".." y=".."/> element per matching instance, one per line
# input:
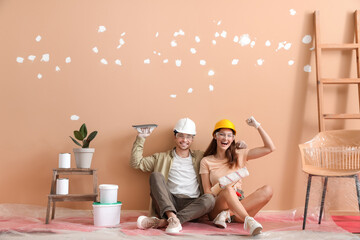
<point x="332" y="150"/>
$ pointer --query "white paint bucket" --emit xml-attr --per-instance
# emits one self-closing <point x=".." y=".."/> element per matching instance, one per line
<point x="107" y="214"/>
<point x="108" y="193"/>
<point x="62" y="186"/>
<point x="64" y="160"/>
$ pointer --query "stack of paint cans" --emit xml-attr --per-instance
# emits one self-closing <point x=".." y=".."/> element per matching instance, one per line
<point x="107" y="211"/>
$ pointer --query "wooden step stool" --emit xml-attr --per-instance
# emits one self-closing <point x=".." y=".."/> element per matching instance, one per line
<point x="53" y="197"/>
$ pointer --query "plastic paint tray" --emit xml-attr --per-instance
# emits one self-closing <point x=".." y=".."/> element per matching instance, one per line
<point x="144" y="125"/>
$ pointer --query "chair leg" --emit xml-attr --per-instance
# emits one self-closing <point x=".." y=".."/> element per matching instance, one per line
<point x="323" y="199"/>
<point x="307" y="200"/>
<point x="357" y="188"/>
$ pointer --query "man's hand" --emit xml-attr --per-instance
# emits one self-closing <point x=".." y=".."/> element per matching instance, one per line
<point x="252" y="122"/>
<point x="145" y="131"/>
<point x="241" y="145"/>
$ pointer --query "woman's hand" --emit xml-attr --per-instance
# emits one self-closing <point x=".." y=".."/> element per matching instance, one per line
<point x="252" y="122"/>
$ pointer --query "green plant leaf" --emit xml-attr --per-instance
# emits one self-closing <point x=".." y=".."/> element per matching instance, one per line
<point x="78" y="135"/>
<point x="91" y="136"/>
<point x="83" y="130"/>
<point x="76" y="142"/>
<point x="85" y="144"/>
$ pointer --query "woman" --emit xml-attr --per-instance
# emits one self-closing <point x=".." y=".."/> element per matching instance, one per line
<point x="222" y="158"/>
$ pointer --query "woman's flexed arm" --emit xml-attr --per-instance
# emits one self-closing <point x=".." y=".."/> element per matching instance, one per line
<point x="268" y="143"/>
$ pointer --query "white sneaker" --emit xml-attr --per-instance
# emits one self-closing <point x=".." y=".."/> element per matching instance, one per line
<point x="252" y="226"/>
<point x="144" y="222"/>
<point x="174" y="225"/>
<point x="222" y="218"/>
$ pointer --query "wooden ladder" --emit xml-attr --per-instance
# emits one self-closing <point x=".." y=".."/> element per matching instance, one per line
<point x="53" y="197"/>
<point x="319" y="46"/>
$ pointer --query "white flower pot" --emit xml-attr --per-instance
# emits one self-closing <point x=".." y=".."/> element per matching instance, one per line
<point x="83" y="157"/>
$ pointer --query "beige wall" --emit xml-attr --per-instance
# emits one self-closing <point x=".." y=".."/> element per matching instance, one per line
<point x="35" y="113"/>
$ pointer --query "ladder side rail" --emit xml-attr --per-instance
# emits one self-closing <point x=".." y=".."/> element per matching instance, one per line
<point x="319" y="85"/>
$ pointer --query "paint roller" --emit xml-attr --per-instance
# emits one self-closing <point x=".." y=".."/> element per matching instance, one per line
<point x="231" y="178"/>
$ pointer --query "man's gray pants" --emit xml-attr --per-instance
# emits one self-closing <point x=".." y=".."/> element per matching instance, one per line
<point x="185" y="208"/>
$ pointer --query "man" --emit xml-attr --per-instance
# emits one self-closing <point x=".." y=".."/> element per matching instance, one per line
<point x="175" y="185"/>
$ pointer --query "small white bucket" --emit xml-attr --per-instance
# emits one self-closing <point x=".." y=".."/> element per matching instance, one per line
<point x="64" y="160"/>
<point x="62" y="186"/>
<point x="108" y="193"/>
<point x="106" y="215"/>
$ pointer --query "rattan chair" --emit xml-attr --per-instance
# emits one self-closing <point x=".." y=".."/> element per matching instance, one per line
<point x="331" y="154"/>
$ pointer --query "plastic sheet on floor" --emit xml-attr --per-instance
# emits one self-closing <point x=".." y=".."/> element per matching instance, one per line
<point x="27" y="222"/>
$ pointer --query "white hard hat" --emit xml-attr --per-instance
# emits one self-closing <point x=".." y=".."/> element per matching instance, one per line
<point x="185" y="125"/>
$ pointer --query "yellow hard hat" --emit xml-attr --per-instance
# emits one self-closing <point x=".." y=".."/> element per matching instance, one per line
<point x="225" y="123"/>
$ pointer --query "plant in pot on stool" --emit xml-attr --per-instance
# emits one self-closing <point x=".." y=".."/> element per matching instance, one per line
<point x="83" y="155"/>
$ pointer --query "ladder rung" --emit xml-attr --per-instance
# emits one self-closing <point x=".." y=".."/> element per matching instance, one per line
<point x="342" y="116"/>
<point x="340" y="80"/>
<point x="340" y="46"/>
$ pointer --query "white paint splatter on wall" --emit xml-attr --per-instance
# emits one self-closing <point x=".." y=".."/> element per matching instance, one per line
<point x="214" y="42"/>
<point x="284" y="45"/>
<point x="287" y="46"/>
<point x="68" y="60"/>
<point x="217" y="34"/>
<point x="211" y="73"/>
<point x="118" y="62"/>
<point x="38" y="38"/>
<point x="193" y="50"/>
<point x="103" y="61"/>
<point x="95" y="50"/>
<point x="20" y="59"/>
<point x="57" y="68"/>
<point x="74" y="117"/>
<point x="244" y="40"/>
<point x="39" y="76"/>
<point x="202" y="62"/>
<point x="291" y="62"/>
<point x="197" y="39"/>
<point x="180" y="32"/>
<point x="307" y="68"/>
<point x="190" y="90"/>
<point x="173" y="43"/>
<point x="268" y="43"/>
<point x="147" y="61"/>
<point x="260" y="61"/>
<point x="236" y="39"/>
<point x="101" y="29"/>
<point x="218" y="23"/>
<point x="45" y="57"/>
<point x="123" y="34"/>
<point x="31" y="57"/>
<point x="166" y="61"/>
<point x="211" y="88"/>
<point x="252" y="44"/>
<point x="156" y="34"/>
<point x="307" y="39"/>
<point x="121" y="42"/>
<point x="173" y="95"/>
<point x="235" y="61"/>
<point x="292" y="12"/>
<point x="178" y="62"/>
<point x="223" y="34"/>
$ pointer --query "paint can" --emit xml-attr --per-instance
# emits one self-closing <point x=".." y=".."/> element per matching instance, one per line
<point x="106" y="214"/>
<point x="64" y="160"/>
<point x="108" y="193"/>
<point x="62" y="186"/>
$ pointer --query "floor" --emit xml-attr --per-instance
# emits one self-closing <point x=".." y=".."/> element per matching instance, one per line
<point x="274" y="227"/>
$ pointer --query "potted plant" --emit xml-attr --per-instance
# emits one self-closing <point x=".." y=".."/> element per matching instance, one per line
<point x="83" y="155"/>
